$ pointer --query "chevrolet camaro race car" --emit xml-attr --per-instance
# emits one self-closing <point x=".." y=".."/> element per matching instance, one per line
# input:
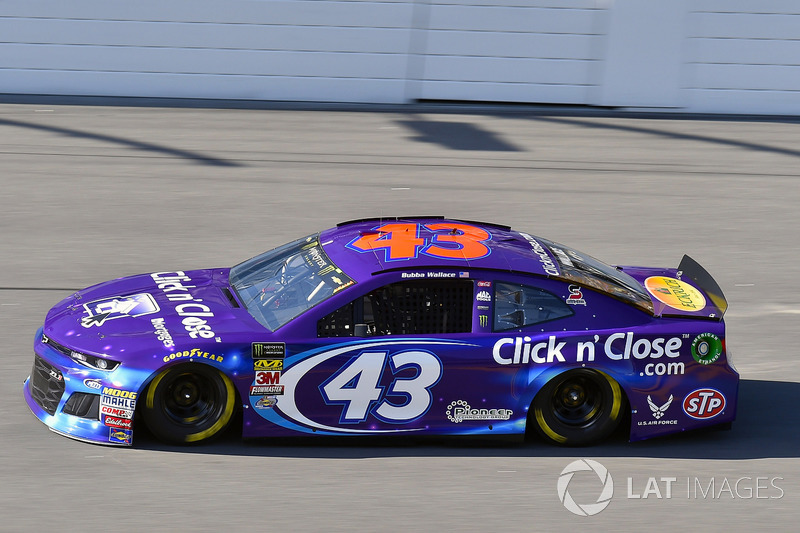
<point x="407" y="326"/>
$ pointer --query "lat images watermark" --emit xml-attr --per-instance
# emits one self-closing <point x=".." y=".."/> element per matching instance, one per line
<point x="585" y="487"/>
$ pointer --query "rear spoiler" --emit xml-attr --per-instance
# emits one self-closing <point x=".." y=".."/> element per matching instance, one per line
<point x="689" y="268"/>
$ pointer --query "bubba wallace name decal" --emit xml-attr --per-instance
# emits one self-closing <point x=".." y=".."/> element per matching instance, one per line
<point x="194" y="313"/>
<point x="617" y="346"/>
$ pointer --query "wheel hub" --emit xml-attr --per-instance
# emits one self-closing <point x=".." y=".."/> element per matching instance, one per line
<point x="573" y="396"/>
<point x="186" y="394"/>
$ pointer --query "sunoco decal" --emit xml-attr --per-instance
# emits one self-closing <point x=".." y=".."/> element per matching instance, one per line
<point x="119" y="436"/>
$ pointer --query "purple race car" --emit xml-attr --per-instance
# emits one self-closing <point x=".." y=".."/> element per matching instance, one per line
<point x="407" y="326"/>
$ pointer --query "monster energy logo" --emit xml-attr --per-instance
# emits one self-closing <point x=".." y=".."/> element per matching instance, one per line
<point x="484" y="319"/>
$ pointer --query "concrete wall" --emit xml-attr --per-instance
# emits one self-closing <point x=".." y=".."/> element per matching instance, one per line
<point x="274" y="50"/>
<point x="743" y="56"/>
<point x="701" y="55"/>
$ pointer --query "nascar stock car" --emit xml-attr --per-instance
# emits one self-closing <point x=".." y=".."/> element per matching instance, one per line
<point x="406" y="326"/>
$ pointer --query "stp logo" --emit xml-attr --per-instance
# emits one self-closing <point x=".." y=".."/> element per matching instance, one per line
<point x="704" y="403"/>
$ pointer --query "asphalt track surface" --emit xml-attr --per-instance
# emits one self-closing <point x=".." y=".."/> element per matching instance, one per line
<point x="90" y="193"/>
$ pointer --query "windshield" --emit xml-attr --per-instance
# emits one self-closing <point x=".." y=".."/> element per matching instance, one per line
<point x="585" y="270"/>
<point x="278" y="285"/>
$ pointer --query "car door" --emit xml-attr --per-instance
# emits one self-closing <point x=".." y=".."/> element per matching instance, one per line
<point x="399" y="358"/>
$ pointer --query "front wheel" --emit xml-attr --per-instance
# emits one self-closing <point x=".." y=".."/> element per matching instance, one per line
<point x="578" y="407"/>
<point x="189" y="404"/>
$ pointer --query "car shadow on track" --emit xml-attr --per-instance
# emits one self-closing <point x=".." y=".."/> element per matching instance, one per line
<point x="767" y="425"/>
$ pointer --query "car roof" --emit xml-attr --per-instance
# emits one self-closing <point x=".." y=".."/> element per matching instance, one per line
<point x="361" y="248"/>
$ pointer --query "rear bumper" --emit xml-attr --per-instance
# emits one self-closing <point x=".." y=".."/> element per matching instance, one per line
<point x="703" y="398"/>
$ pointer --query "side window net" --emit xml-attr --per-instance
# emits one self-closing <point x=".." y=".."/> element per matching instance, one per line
<point x="517" y="306"/>
<point x="422" y="307"/>
<point x="415" y="307"/>
<point x="337" y="324"/>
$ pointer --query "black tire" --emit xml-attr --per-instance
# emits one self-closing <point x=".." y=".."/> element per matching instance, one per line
<point x="188" y="404"/>
<point x="577" y="408"/>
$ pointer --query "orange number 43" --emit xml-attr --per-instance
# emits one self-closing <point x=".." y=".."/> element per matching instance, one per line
<point x="402" y="240"/>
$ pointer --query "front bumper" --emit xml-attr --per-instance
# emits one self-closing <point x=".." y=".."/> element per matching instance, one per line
<point x="68" y="398"/>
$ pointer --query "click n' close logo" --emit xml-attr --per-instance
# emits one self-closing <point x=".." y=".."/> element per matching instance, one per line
<point x="100" y="311"/>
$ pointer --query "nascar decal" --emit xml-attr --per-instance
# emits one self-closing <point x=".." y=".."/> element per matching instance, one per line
<point x="355" y="390"/>
<point x="675" y="293"/>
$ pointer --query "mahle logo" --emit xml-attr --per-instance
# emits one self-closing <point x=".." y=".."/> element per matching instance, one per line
<point x="585" y="509"/>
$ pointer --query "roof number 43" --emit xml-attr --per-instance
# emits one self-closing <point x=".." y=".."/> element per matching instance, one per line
<point x="403" y="240"/>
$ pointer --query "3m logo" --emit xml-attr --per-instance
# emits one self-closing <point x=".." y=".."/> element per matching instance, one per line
<point x="703" y="404"/>
<point x="268" y="378"/>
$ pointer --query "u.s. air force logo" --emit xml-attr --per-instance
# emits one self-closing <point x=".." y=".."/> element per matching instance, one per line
<point x="100" y="311"/>
<point x="659" y="411"/>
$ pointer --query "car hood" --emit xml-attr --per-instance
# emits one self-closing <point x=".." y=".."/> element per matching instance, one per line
<point x="154" y="314"/>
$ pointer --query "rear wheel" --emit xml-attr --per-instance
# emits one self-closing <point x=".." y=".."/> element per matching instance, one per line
<point x="578" y="407"/>
<point x="189" y="404"/>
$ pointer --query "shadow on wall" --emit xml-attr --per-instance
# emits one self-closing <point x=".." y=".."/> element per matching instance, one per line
<point x="129" y="143"/>
<point x="457" y="136"/>
<point x="766" y="426"/>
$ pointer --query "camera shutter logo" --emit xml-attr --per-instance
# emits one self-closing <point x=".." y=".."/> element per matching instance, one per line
<point x="586" y="509"/>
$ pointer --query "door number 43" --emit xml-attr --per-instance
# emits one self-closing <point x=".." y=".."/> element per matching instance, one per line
<point x="357" y="387"/>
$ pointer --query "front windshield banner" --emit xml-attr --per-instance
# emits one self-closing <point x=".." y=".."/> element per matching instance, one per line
<point x="279" y="285"/>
